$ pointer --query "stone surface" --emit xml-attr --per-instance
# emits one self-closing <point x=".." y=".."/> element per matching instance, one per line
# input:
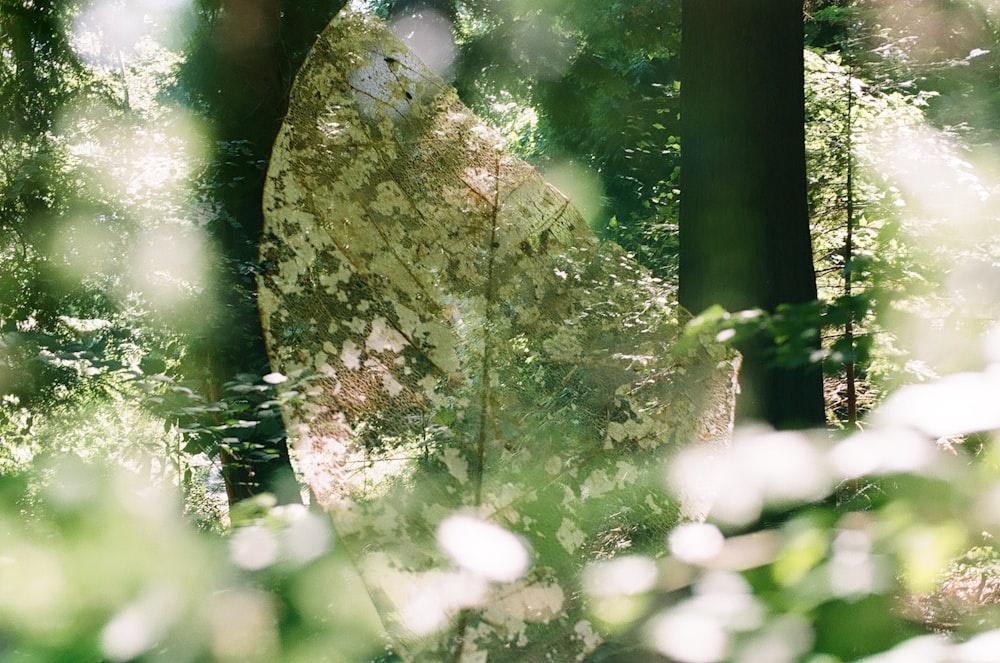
<point x="470" y="347"/>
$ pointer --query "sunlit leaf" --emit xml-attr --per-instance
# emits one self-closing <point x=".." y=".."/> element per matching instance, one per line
<point x="477" y="350"/>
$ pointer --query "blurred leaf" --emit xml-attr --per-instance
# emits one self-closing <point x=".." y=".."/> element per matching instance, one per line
<point x="850" y="630"/>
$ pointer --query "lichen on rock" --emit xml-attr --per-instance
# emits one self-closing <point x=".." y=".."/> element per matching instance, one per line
<point x="474" y="349"/>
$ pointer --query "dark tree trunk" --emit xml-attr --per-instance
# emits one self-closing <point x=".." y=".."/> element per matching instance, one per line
<point x="241" y="72"/>
<point x="251" y="100"/>
<point x="744" y="228"/>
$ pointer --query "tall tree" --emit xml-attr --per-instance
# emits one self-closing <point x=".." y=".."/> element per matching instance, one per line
<point x="238" y="74"/>
<point x="744" y="227"/>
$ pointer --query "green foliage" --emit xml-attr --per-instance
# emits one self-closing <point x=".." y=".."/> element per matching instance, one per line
<point x="863" y="140"/>
<point x="816" y="548"/>
<point x="129" y="244"/>
<point x="87" y="186"/>
<point x="242" y="430"/>
<point x="99" y="566"/>
<point x="151" y="367"/>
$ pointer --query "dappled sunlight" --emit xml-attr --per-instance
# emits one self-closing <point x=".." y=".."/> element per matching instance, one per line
<point x="948" y="211"/>
<point x="147" y="165"/>
<point x="156" y="242"/>
<point x="135" y="48"/>
<point x="160" y="162"/>
<point x="110" y="32"/>
<point x="936" y="179"/>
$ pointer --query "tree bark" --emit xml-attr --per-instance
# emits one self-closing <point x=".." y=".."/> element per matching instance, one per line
<point x="744" y="227"/>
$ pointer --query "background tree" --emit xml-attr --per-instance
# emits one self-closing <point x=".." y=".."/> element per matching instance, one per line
<point x="239" y="68"/>
<point x="744" y="227"/>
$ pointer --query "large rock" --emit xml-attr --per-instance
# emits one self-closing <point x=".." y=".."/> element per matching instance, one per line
<point x="472" y="349"/>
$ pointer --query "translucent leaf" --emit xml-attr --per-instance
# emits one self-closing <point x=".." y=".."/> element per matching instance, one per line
<point x="476" y="350"/>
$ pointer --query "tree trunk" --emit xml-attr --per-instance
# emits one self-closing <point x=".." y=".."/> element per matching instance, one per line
<point x="744" y="227"/>
<point x="241" y="72"/>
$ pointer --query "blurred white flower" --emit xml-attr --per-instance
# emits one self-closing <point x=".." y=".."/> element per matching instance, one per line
<point x="925" y="649"/>
<point x="138" y="627"/>
<point x="783" y="640"/>
<point x="761" y="466"/>
<point x="483" y="548"/>
<point x="307" y="536"/>
<point x="254" y="547"/>
<point x="436" y="596"/>
<point x="953" y="405"/>
<point x="621" y="576"/>
<point x="981" y="648"/>
<point x="690" y="637"/>
<point x="695" y="542"/>
<point x="885" y="451"/>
